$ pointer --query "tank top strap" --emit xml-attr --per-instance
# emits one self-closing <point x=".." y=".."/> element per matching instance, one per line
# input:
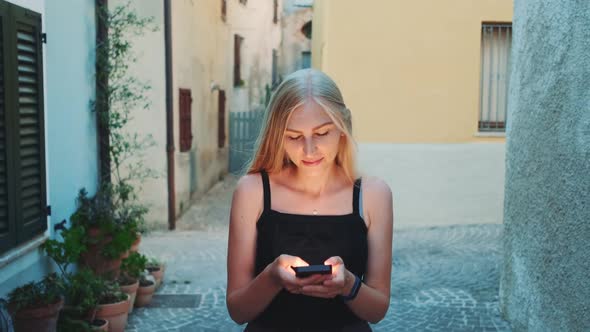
<point x="355" y="196"/>
<point x="266" y="188"/>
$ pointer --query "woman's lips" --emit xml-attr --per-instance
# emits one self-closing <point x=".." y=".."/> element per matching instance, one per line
<point x="312" y="163"/>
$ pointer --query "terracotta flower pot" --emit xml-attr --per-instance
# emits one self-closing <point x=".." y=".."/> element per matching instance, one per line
<point x="132" y="291"/>
<point x="158" y="273"/>
<point x="144" y="294"/>
<point x="115" y="313"/>
<point x="38" y="319"/>
<point x="135" y="245"/>
<point x="100" y="325"/>
<point x="73" y="312"/>
<point x="96" y="261"/>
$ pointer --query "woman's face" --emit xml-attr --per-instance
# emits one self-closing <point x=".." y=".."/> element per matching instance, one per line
<point x="311" y="138"/>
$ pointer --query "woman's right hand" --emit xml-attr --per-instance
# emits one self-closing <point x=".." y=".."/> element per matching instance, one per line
<point x="284" y="275"/>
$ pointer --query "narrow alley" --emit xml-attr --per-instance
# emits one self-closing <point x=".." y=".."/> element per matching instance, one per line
<point x="444" y="278"/>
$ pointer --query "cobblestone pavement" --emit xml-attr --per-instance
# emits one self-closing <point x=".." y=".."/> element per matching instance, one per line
<point x="443" y="279"/>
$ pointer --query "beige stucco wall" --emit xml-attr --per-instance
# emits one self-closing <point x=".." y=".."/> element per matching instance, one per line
<point x="293" y="41"/>
<point x="149" y="68"/>
<point x="409" y="70"/>
<point x="201" y="55"/>
<point x="254" y="22"/>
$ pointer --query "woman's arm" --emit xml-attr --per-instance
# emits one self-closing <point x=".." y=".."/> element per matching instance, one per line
<point x="246" y="296"/>
<point x="372" y="301"/>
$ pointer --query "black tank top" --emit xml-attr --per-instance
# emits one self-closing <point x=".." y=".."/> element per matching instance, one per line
<point x="314" y="238"/>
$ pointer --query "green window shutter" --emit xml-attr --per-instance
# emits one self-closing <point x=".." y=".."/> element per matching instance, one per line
<point x="7" y="226"/>
<point x="30" y="195"/>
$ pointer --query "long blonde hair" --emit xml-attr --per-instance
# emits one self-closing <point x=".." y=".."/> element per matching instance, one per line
<point x="294" y="91"/>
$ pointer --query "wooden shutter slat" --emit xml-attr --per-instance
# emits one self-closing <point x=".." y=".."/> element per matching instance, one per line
<point x="32" y="214"/>
<point x="24" y="79"/>
<point x="29" y="171"/>
<point x="29" y="152"/>
<point x="30" y="191"/>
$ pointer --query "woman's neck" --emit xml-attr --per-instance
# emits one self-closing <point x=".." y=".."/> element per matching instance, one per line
<point x="314" y="184"/>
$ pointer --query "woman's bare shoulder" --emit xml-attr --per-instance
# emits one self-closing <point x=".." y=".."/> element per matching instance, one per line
<point x="375" y="187"/>
<point x="248" y="195"/>
<point x="378" y="198"/>
<point x="249" y="182"/>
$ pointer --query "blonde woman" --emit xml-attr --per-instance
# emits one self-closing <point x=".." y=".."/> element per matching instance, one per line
<point x="302" y="203"/>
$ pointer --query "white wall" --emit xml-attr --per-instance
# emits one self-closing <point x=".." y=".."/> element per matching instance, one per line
<point x="440" y="184"/>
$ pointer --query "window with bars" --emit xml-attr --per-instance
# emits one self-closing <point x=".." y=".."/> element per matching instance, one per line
<point x="495" y="67"/>
<point x="221" y="120"/>
<point x="186" y="133"/>
<point x="23" y="213"/>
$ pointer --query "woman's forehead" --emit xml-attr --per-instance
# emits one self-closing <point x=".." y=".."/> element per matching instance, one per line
<point x="308" y="116"/>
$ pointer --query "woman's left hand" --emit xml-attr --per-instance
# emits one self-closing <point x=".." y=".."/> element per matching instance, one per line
<point x="339" y="283"/>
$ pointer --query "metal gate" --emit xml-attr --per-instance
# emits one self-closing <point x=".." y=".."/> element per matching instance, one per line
<point x="243" y="131"/>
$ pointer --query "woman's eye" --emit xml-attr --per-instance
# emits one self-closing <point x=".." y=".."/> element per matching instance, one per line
<point x="323" y="134"/>
<point x="294" y="138"/>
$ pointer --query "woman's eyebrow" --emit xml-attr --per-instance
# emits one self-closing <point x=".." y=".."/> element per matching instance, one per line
<point x="315" y="128"/>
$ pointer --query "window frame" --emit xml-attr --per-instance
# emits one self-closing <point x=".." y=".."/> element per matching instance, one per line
<point x="485" y="124"/>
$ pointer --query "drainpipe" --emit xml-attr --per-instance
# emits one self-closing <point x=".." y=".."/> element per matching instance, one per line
<point x="102" y="83"/>
<point x="169" y="116"/>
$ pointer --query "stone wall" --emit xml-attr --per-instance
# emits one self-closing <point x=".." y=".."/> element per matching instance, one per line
<point x="545" y="284"/>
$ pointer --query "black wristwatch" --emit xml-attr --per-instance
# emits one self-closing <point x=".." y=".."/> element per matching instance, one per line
<point x="354" y="291"/>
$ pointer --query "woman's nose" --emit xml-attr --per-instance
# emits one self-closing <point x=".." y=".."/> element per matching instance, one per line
<point x="309" y="146"/>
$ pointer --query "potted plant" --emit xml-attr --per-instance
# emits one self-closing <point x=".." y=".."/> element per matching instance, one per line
<point x="82" y="288"/>
<point x="35" y="306"/>
<point x="146" y="290"/>
<point x="83" y="292"/>
<point x="109" y="234"/>
<point x="113" y="306"/>
<point x="156" y="268"/>
<point x="131" y="270"/>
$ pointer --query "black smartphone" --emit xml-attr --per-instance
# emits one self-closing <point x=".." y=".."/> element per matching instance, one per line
<point x="306" y="271"/>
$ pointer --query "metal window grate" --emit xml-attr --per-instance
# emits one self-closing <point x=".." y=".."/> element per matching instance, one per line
<point x="495" y="68"/>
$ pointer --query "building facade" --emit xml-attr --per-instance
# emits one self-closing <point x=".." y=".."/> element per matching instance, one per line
<point x="56" y="142"/>
<point x="426" y="83"/>
<point x="295" y="51"/>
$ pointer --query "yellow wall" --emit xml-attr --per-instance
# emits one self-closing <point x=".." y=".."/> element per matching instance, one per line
<point x="409" y="70"/>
